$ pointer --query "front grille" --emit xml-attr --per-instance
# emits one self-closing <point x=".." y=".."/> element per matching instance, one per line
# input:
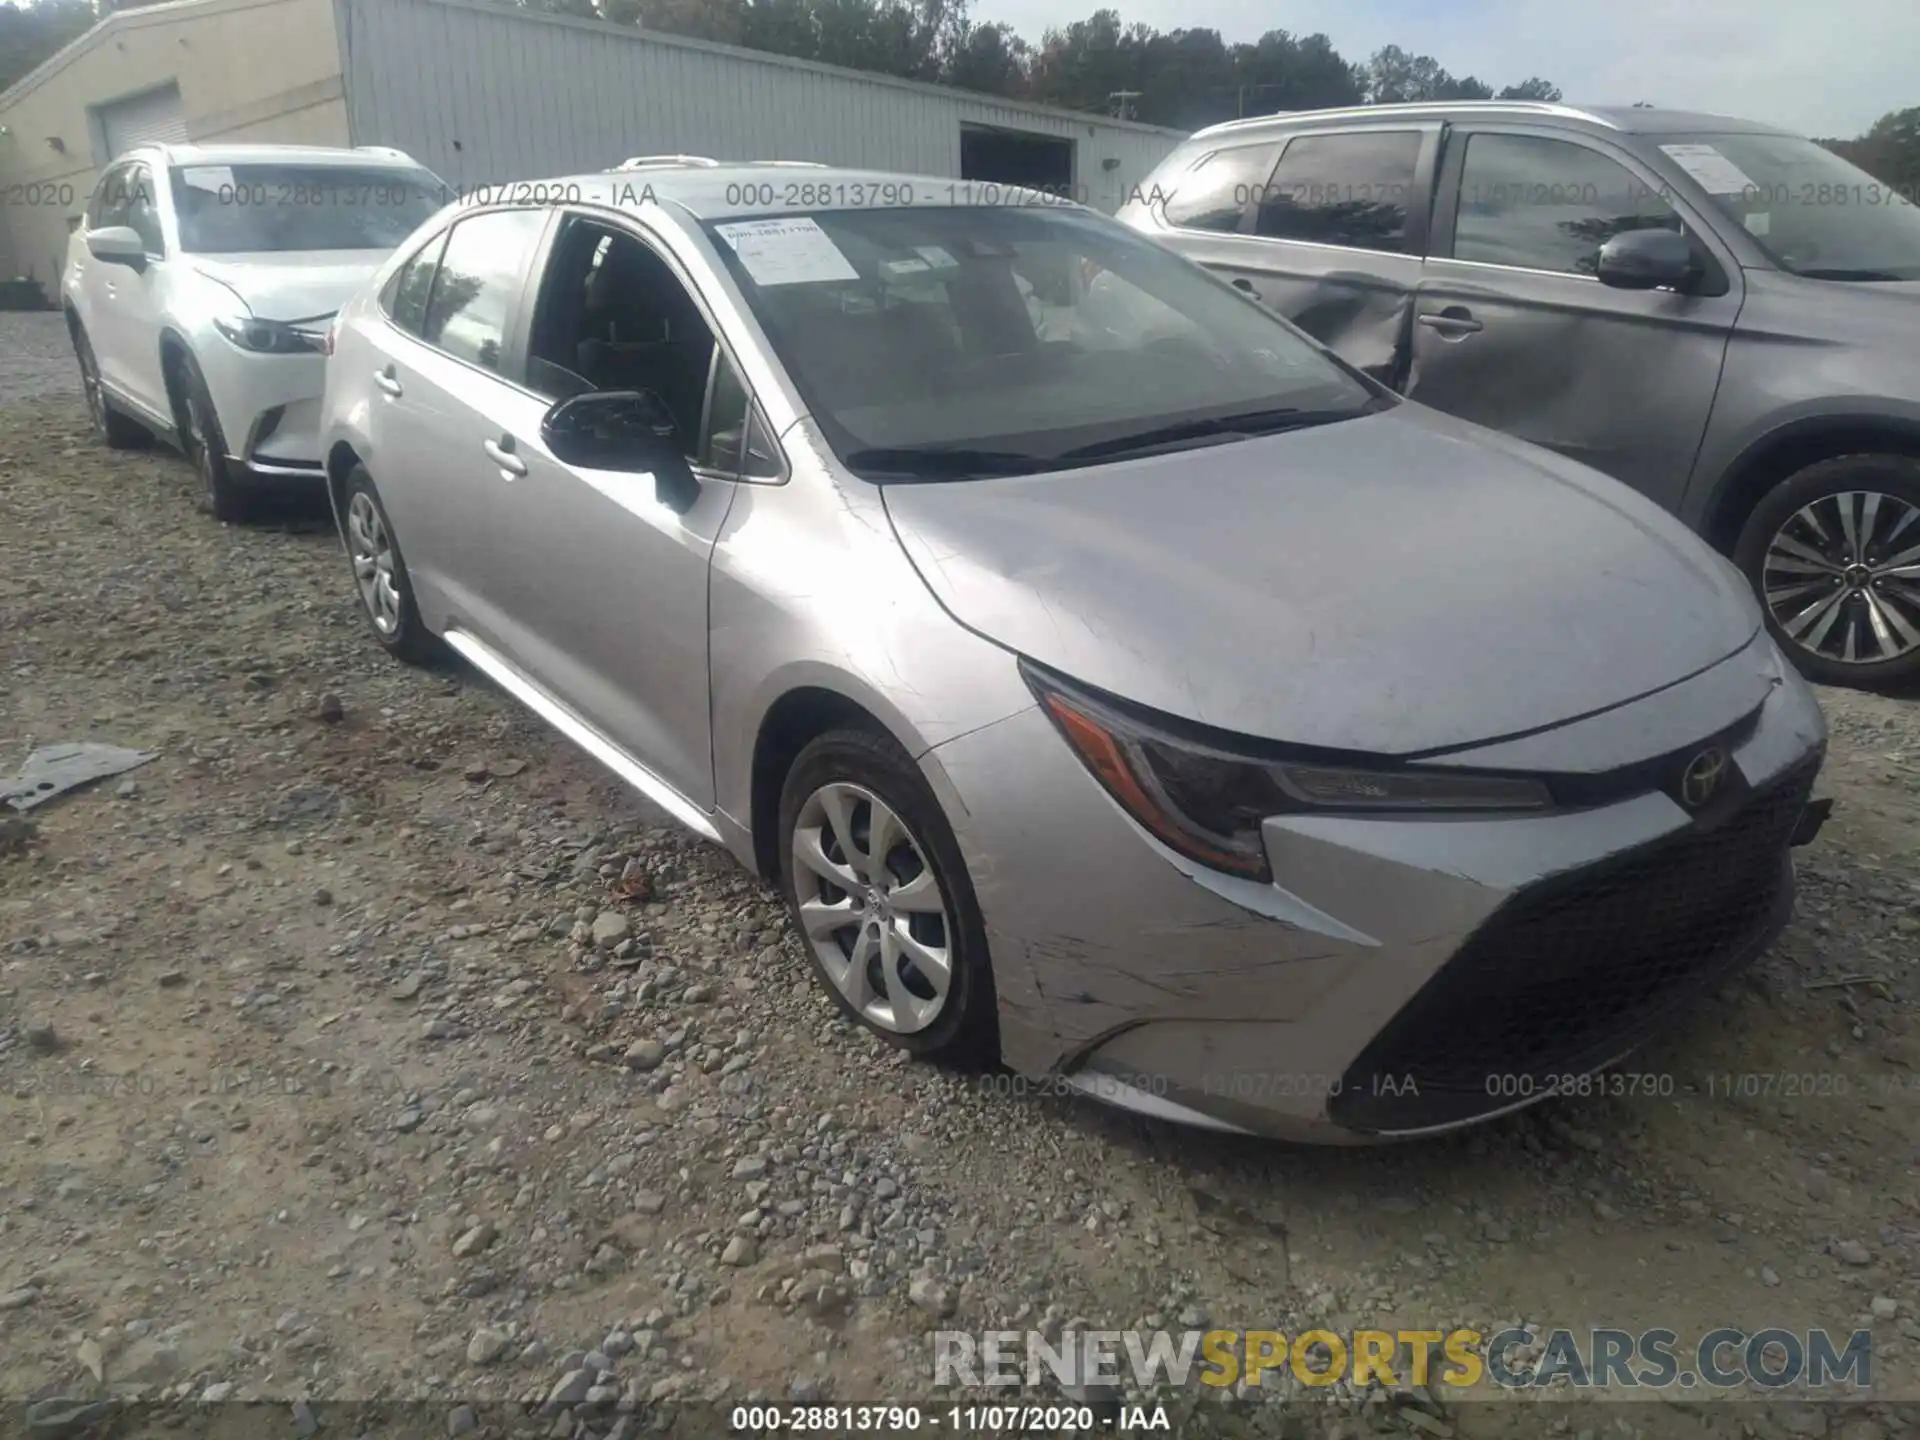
<point x="1569" y="974"/>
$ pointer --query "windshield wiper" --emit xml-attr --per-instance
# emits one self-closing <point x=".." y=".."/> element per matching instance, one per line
<point x="1252" y="422"/>
<point x="932" y="462"/>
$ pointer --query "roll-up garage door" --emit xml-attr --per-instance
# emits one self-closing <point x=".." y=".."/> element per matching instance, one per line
<point x="152" y="118"/>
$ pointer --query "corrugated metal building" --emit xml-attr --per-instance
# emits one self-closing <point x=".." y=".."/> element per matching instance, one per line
<point x="484" y="93"/>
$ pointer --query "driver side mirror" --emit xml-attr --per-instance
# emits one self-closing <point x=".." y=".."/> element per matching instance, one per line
<point x="1646" y="260"/>
<point x="626" y="430"/>
<point x="117" y="245"/>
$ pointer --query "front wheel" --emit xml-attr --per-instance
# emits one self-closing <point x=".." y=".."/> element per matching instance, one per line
<point x="1834" y="554"/>
<point x="205" y="444"/>
<point x="882" y="899"/>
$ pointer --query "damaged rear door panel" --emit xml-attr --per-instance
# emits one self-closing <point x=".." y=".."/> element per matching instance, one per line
<point x="1331" y="237"/>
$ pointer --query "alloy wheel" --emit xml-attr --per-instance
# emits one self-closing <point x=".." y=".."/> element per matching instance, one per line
<point x="371" y="550"/>
<point x="1842" y="577"/>
<point x="872" y="908"/>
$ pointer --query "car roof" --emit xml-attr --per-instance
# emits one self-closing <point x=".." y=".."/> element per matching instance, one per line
<point x="723" y="190"/>
<point x="1626" y="119"/>
<point x="370" y="156"/>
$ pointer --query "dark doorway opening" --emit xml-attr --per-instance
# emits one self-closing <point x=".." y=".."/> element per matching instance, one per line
<point x="1017" y="157"/>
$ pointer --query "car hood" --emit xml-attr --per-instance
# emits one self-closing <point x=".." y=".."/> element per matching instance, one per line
<point x="1397" y="584"/>
<point x="293" y="284"/>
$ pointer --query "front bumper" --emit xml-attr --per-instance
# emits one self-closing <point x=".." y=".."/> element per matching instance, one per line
<point x="1401" y="976"/>
<point x="269" y="409"/>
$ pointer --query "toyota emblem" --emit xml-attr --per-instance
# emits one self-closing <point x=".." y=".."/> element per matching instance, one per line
<point x="1700" y="781"/>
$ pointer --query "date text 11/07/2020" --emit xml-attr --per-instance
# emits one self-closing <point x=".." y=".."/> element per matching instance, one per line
<point x="782" y="195"/>
<point x="949" y="1419"/>
<point x="1878" y="1088"/>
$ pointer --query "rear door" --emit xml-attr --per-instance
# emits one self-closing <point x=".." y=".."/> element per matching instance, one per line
<point x="1325" y="226"/>
<point x="440" y="386"/>
<point x="1513" y="329"/>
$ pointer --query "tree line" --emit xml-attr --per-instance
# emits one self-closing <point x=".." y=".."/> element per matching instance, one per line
<point x="1180" y="78"/>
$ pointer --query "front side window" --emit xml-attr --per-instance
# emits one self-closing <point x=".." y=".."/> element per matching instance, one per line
<point x="143" y="215"/>
<point x="1213" y="195"/>
<point x="112" y="199"/>
<point x="944" y="343"/>
<point x="1813" y="213"/>
<point x="613" y="315"/>
<point x="1352" y="190"/>
<point x="253" y="209"/>
<point x="477" y="282"/>
<point x="1542" y="204"/>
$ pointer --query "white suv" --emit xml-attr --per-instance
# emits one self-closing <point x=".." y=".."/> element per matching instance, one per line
<point x="200" y="286"/>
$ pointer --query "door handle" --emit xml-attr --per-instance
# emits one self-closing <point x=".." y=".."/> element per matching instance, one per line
<point x="388" y="381"/>
<point x="1456" y="322"/>
<point x="1245" y="287"/>
<point x="501" y="453"/>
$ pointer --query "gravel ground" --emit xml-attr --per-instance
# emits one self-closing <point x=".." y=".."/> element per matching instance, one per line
<point x="372" y="1045"/>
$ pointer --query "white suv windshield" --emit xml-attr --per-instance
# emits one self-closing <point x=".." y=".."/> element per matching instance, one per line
<point x="942" y="343"/>
<point x="240" y="209"/>
<point x="1811" y="211"/>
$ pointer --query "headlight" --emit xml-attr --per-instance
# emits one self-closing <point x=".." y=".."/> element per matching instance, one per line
<point x="266" y="337"/>
<point x="1207" y="802"/>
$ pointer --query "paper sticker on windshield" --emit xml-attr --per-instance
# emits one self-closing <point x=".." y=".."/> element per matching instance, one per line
<point x="1716" y="174"/>
<point x="897" y="268"/>
<point x="1759" y="223"/>
<point x="208" y="177"/>
<point x="936" y="257"/>
<point x="787" y="252"/>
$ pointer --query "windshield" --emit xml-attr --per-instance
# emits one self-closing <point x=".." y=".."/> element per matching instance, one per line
<point x="943" y="343"/>
<point x="1812" y="212"/>
<point x="242" y="209"/>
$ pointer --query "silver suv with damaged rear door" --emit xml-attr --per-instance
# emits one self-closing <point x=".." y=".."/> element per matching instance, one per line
<point x="1717" y="312"/>
<point x="1114" y="682"/>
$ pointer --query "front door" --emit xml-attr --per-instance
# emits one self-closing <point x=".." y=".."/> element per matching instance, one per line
<point x="1513" y="330"/>
<point x="609" y="601"/>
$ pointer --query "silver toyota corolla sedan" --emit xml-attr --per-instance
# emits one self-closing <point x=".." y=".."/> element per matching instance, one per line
<point x="1116" y="684"/>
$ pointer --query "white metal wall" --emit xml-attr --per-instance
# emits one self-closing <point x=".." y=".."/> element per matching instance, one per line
<point x="483" y="95"/>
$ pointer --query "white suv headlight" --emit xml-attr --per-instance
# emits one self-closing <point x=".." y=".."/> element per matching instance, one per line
<point x="266" y="337"/>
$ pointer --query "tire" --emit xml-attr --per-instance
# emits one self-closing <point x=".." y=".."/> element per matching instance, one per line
<point x="958" y="1027"/>
<point x="205" y="444"/>
<point x="373" y="550"/>
<point x="110" y="427"/>
<point x="1796" y="541"/>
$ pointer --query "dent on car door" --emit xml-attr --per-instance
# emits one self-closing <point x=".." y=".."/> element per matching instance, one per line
<point x="1328" y="231"/>
<point x="1513" y="329"/>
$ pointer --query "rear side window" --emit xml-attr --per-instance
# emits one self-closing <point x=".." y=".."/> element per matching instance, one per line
<point x="477" y="282"/>
<point x="405" y="298"/>
<point x="1548" y="204"/>
<point x="1351" y="190"/>
<point x="1213" y="195"/>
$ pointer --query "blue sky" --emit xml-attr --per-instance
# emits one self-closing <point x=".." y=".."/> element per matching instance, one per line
<point x="1828" y="68"/>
